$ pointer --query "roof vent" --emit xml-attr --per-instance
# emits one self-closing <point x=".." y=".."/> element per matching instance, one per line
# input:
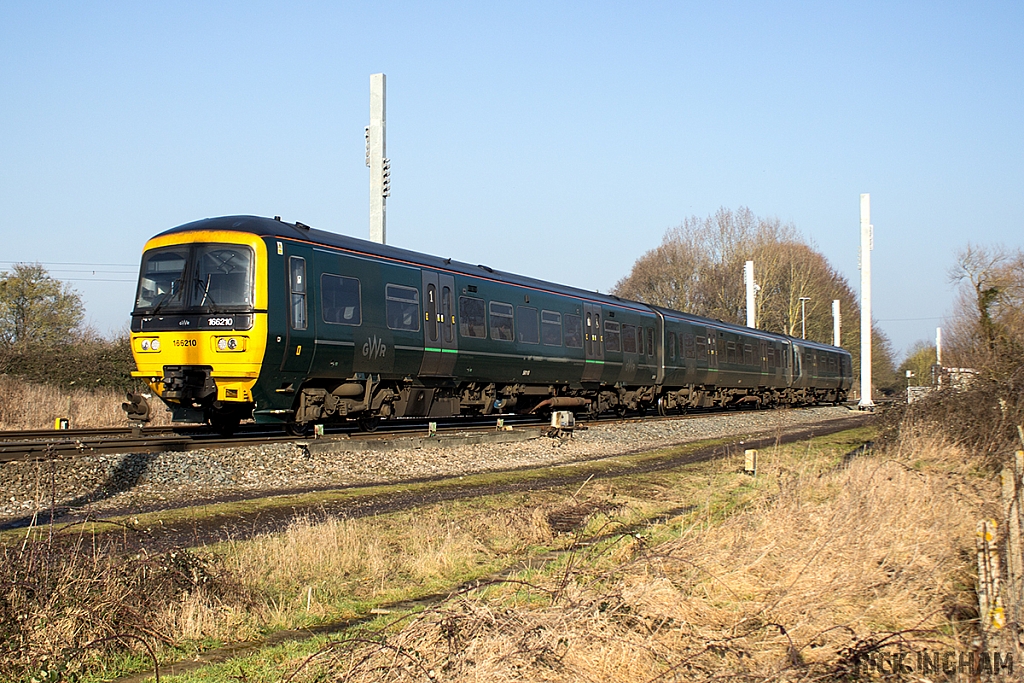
<point x="489" y="270"/>
<point x="277" y="218"/>
<point x="302" y="226"/>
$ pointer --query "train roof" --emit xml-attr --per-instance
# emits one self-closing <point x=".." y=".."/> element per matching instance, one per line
<point x="275" y="227"/>
<point x="271" y="227"/>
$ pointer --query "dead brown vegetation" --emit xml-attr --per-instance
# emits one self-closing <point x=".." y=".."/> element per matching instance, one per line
<point x="65" y="606"/>
<point x="28" y="405"/>
<point x="798" y="573"/>
<point x="800" y="584"/>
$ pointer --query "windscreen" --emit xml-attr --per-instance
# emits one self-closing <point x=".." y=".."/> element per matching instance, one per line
<point x="161" y="279"/>
<point x="205" y="277"/>
<point x="223" y="277"/>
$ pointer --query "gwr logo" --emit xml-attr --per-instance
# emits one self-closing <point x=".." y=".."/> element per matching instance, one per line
<point x="374" y="348"/>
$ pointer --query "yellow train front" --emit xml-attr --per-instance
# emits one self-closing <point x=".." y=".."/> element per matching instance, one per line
<point x="199" y="325"/>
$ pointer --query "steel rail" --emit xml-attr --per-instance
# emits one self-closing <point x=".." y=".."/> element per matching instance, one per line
<point x="42" y="445"/>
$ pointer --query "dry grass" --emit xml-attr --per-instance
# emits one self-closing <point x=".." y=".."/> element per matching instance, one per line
<point x="783" y="577"/>
<point x="65" y="607"/>
<point x="323" y="568"/>
<point x="794" y="586"/>
<point x="24" y="405"/>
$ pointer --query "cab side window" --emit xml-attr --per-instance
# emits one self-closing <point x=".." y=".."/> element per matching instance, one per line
<point x="297" y="284"/>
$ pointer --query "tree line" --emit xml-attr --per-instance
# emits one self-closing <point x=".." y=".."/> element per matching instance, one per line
<point x="43" y="337"/>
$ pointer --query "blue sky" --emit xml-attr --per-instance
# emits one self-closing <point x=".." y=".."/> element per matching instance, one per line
<point x="557" y="140"/>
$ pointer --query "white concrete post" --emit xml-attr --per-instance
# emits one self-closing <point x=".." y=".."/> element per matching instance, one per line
<point x="376" y="151"/>
<point x="748" y="279"/>
<point x="866" y="244"/>
<point x="836" y="321"/>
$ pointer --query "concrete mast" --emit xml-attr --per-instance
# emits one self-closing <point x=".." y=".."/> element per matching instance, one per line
<point x="866" y="245"/>
<point x="836" y="323"/>
<point x="376" y="159"/>
<point x="748" y="279"/>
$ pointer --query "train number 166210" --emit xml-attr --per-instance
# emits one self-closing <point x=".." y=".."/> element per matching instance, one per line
<point x="184" y="342"/>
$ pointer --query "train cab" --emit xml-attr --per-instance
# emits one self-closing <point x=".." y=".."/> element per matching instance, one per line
<point x="198" y="330"/>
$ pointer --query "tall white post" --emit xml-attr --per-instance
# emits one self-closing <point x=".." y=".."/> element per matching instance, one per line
<point x="748" y="279"/>
<point x="938" y="356"/>
<point x="866" y="244"/>
<point x="376" y="151"/>
<point x="836" y="322"/>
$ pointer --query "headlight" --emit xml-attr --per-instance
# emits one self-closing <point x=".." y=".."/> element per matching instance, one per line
<point x="148" y="345"/>
<point x="230" y="344"/>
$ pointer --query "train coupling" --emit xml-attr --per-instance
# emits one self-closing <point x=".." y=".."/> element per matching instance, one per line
<point x="188" y="384"/>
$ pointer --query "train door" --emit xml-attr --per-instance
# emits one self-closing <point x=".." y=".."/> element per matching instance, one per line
<point x="440" y="343"/>
<point x="594" y="343"/>
<point x="300" y="334"/>
<point x="787" y="363"/>
<point x="662" y="342"/>
<point x="714" y="345"/>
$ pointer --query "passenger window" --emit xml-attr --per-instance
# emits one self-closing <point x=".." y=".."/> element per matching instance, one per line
<point x="629" y="338"/>
<point x="471" y="317"/>
<point x="501" y="322"/>
<point x="611" y="336"/>
<point x="297" y="277"/>
<point x="551" y="328"/>
<point x="650" y="341"/>
<point x="672" y="345"/>
<point x="572" y="326"/>
<point x="340" y="299"/>
<point x="640" y="340"/>
<point x="529" y="330"/>
<point x="748" y="354"/>
<point x="402" y="308"/>
<point x="688" y="350"/>
<point x="730" y="352"/>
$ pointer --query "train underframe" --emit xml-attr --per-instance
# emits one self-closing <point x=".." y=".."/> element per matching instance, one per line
<point x="370" y="399"/>
<point x="366" y="399"/>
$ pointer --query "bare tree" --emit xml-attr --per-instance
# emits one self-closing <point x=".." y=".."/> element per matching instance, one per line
<point x="986" y="330"/>
<point x="699" y="265"/>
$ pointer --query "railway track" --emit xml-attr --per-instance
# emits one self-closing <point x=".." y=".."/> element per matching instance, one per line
<point x="44" y="444"/>
<point x="47" y="443"/>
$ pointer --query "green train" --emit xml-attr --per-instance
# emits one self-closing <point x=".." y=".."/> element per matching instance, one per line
<point x="247" y="317"/>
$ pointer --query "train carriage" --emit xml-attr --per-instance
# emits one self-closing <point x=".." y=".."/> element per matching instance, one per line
<point x="242" y="316"/>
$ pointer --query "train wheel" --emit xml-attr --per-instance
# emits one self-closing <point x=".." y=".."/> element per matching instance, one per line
<point x="369" y="424"/>
<point x="225" y="425"/>
<point x="300" y="429"/>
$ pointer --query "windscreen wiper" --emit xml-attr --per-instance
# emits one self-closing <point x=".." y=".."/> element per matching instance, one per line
<point x="206" y="291"/>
